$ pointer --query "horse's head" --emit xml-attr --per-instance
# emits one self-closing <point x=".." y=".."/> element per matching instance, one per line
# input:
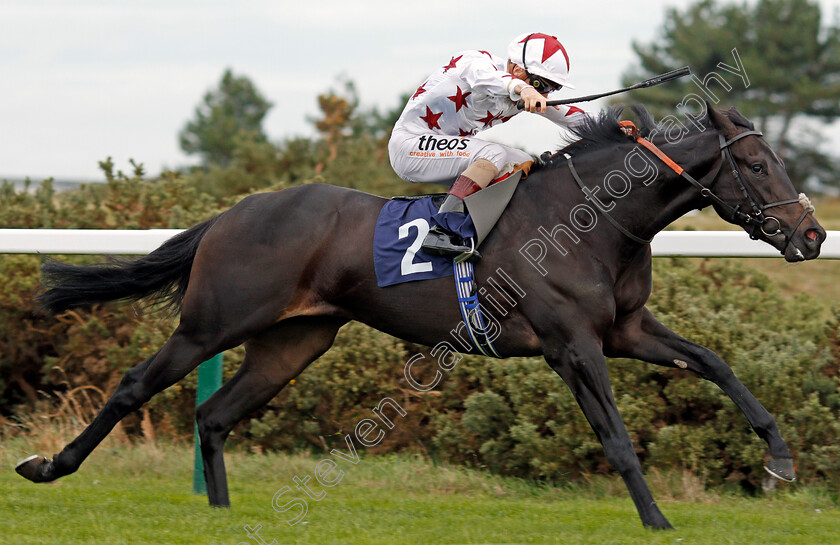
<point x="754" y="191"/>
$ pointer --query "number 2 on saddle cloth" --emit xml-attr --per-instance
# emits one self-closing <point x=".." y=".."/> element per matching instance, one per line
<point x="404" y="222"/>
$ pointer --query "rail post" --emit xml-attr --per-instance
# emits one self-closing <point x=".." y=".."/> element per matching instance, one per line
<point x="209" y="380"/>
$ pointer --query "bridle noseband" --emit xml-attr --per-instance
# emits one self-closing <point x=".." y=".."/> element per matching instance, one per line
<point x="754" y="218"/>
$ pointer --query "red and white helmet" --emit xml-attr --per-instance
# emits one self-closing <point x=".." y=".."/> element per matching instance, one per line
<point x="541" y="55"/>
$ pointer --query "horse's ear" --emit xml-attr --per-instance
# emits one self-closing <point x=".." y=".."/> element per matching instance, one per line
<point x="720" y="121"/>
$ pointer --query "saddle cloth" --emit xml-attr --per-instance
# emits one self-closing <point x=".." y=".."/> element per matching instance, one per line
<point x="400" y="229"/>
<point x="402" y="225"/>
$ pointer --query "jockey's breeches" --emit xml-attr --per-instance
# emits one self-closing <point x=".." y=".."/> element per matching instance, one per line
<point x="435" y="158"/>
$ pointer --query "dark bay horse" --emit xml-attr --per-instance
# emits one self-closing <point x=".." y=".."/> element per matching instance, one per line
<point x="282" y="272"/>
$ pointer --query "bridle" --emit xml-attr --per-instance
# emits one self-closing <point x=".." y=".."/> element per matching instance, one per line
<point x="755" y="218"/>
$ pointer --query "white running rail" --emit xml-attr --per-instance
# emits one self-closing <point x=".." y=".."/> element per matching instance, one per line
<point x="141" y="242"/>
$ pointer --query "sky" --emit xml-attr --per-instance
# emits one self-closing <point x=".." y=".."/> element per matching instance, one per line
<point x="84" y="80"/>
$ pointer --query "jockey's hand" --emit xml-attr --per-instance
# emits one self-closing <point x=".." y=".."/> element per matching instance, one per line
<point x="534" y="101"/>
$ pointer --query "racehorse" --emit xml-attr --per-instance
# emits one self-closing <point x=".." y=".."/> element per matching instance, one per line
<point x="283" y="271"/>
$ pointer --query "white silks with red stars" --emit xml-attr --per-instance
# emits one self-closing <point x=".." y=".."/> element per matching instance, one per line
<point x="470" y="93"/>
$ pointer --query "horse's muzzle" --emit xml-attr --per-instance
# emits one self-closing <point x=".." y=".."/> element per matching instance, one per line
<point x="805" y="244"/>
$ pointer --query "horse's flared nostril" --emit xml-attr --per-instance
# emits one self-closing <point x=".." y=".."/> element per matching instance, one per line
<point x="812" y="234"/>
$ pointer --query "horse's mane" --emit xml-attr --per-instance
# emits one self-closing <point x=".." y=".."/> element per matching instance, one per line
<point x="602" y="131"/>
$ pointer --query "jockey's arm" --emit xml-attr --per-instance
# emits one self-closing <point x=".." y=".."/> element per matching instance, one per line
<point x="566" y="115"/>
<point x="483" y="76"/>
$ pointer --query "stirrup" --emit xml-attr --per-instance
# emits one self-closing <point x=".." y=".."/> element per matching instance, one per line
<point x="441" y="242"/>
<point x="471" y="255"/>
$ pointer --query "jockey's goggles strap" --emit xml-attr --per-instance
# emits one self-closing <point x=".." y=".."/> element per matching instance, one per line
<point x="525" y="48"/>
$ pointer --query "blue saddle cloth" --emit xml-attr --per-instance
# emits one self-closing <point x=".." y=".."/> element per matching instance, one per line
<point x="399" y="233"/>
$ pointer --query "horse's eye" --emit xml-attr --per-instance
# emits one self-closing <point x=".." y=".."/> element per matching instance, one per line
<point x="757" y="168"/>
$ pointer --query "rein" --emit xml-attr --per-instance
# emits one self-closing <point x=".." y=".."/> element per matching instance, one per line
<point x="755" y="218"/>
<point x="615" y="224"/>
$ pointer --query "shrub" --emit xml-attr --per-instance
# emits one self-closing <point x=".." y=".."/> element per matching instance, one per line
<point x="512" y="416"/>
<point x="518" y="418"/>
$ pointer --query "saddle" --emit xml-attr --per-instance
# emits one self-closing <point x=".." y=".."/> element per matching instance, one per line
<point x="485" y="207"/>
<point x="397" y="255"/>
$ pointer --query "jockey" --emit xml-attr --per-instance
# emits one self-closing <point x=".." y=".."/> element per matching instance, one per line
<point x="433" y="139"/>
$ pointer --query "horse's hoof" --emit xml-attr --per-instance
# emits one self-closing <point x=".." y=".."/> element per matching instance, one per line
<point x="655" y="520"/>
<point x="661" y="525"/>
<point x="781" y="468"/>
<point x="34" y="468"/>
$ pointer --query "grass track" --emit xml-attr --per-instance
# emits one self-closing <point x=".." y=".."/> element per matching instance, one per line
<point x="142" y="495"/>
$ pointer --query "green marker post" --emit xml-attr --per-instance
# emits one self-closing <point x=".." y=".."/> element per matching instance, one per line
<point x="209" y="380"/>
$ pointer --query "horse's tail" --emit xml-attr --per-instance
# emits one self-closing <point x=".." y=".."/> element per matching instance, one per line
<point x="160" y="277"/>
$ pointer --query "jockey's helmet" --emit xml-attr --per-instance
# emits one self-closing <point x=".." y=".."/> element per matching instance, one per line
<point x="541" y="55"/>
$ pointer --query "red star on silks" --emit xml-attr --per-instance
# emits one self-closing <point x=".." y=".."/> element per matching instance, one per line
<point x="431" y="118"/>
<point x="462" y="132"/>
<point x="419" y="91"/>
<point x="452" y="62"/>
<point x="489" y="119"/>
<point x="552" y="46"/>
<point x="573" y="110"/>
<point x="460" y="99"/>
<point x="486" y="53"/>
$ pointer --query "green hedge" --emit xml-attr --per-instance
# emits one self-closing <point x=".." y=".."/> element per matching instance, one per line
<point x="516" y="416"/>
<point x="512" y="416"/>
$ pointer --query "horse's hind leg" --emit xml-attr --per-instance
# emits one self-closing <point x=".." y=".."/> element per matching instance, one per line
<point x="181" y="354"/>
<point x="272" y="359"/>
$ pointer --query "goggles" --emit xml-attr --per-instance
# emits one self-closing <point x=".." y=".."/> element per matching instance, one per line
<point x="543" y="85"/>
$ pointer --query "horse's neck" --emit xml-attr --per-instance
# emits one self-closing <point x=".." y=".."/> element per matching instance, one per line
<point x="699" y="154"/>
<point x="654" y="200"/>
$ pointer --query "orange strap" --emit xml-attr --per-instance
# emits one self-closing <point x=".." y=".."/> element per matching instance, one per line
<point x="627" y="124"/>
<point x="659" y="153"/>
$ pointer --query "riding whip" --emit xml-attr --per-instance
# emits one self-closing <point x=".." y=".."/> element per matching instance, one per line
<point x="656" y="80"/>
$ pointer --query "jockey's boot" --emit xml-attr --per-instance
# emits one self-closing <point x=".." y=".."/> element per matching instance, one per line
<point x="442" y="241"/>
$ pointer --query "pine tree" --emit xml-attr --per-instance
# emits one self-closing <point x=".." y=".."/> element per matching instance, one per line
<point x="233" y="111"/>
<point x="792" y="64"/>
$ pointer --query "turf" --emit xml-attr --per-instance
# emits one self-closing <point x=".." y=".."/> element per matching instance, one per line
<point x="126" y="495"/>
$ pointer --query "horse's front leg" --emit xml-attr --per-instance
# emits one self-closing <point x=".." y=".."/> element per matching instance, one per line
<point x="582" y="366"/>
<point x="642" y="337"/>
